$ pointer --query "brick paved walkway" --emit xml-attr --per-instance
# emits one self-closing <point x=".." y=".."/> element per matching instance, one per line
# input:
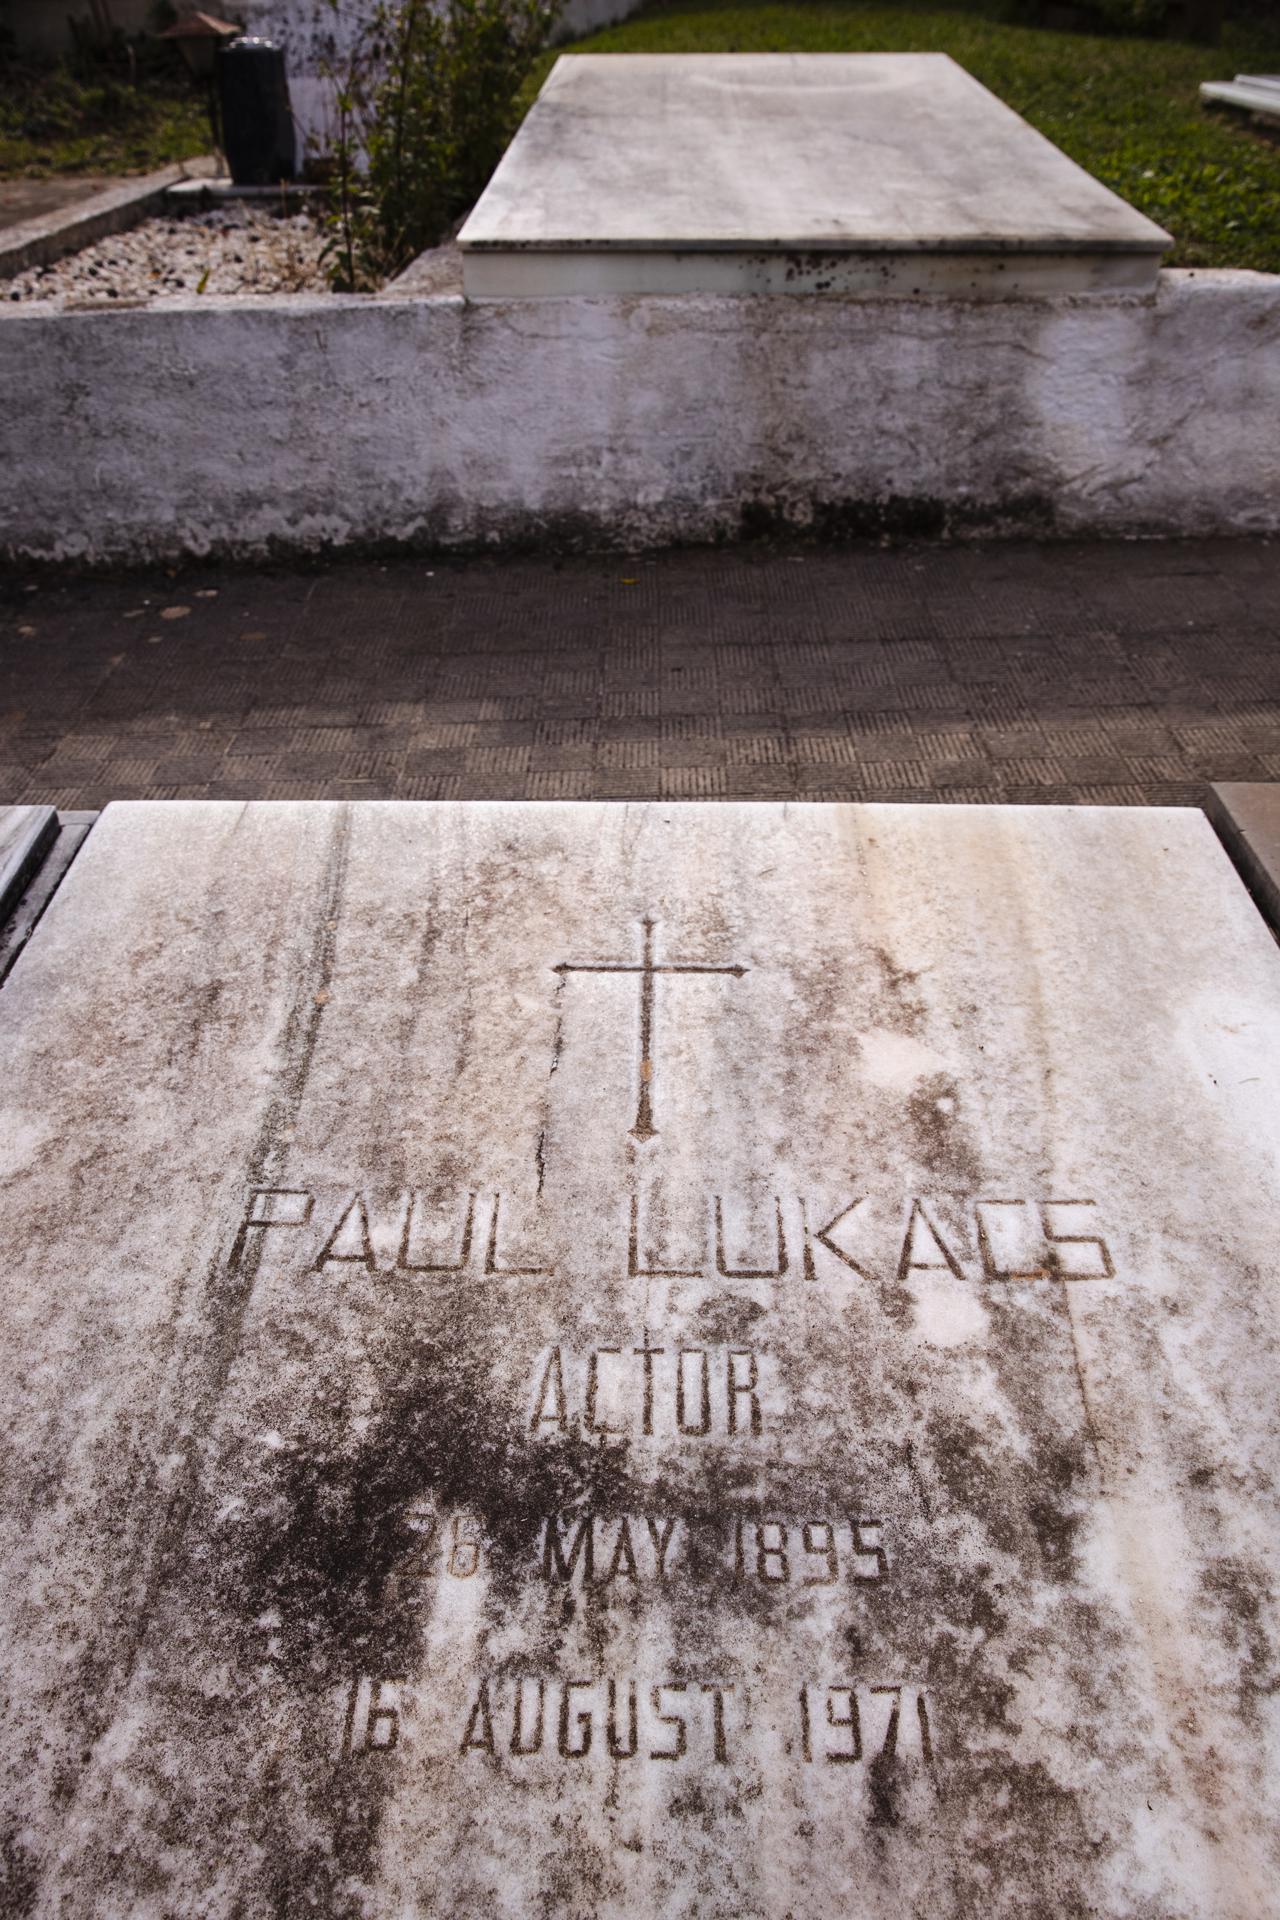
<point x="1032" y="673"/>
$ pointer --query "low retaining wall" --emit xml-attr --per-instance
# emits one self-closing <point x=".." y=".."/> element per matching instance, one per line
<point x="247" y="427"/>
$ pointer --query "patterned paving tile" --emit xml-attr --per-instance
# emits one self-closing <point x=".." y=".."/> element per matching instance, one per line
<point x="1038" y="673"/>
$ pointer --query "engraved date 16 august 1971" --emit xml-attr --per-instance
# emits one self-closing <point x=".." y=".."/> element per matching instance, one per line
<point x="523" y="1715"/>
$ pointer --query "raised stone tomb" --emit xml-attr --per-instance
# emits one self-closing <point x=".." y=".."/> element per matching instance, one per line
<point x="641" y="1361"/>
<point x="864" y="173"/>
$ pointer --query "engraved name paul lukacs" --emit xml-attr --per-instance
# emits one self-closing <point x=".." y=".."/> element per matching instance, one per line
<point x="794" y="1238"/>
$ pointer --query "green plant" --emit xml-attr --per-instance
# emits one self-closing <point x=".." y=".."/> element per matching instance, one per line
<point x="55" y="120"/>
<point x="425" y="107"/>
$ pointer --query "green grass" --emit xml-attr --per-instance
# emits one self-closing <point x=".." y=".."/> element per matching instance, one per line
<point x="1127" y="109"/>
<point x="52" y="121"/>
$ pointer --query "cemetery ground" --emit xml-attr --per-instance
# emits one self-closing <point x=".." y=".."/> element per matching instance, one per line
<point x="1125" y="107"/>
<point x="59" y="120"/>
<point x="68" y="133"/>
<point x="1124" y="673"/>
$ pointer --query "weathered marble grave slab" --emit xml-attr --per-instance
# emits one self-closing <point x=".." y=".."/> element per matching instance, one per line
<point x="890" y="173"/>
<point x="638" y="1361"/>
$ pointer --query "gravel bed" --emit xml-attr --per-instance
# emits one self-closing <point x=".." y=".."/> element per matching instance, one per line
<point x="233" y="249"/>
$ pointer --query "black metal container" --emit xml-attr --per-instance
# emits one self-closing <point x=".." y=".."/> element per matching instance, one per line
<point x="257" y="121"/>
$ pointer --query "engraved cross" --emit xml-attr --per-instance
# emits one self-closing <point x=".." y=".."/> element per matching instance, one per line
<point x="648" y="968"/>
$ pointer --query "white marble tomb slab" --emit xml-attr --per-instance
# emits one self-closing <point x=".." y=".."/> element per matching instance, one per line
<point x="643" y="1361"/>
<point x="884" y="173"/>
<point x="1255" y="92"/>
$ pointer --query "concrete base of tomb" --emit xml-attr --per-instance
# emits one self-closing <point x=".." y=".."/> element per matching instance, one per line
<point x="550" y="273"/>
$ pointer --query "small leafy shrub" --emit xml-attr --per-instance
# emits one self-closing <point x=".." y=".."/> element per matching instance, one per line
<point x="425" y="107"/>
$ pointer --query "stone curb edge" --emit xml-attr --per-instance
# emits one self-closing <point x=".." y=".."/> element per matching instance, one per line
<point x="36" y="243"/>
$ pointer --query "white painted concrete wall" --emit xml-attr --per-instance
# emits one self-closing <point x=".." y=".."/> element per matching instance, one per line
<point x="43" y="26"/>
<point x="578" y="17"/>
<point x="316" y="38"/>
<point x="286" y="425"/>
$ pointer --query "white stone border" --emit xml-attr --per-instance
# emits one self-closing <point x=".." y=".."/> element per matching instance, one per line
<point x="287" y="425"/>
<point x="37" y="243"/>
